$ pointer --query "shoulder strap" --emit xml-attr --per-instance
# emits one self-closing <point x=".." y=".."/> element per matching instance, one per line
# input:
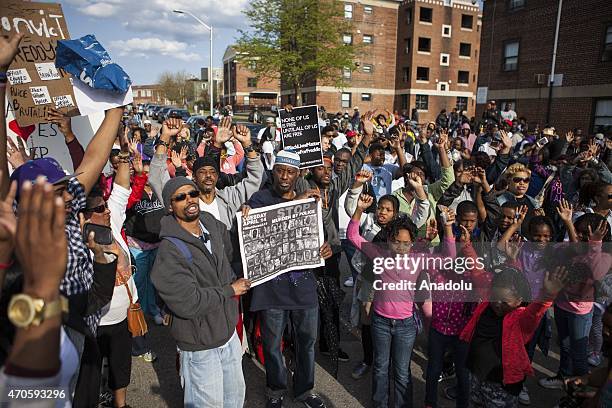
<point x="182" y="247"/>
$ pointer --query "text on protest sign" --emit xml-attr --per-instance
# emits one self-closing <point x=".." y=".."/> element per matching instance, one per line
<point x="279" y="239"/>
<point x="33" y="78"/>
<point x="301" y="134"/>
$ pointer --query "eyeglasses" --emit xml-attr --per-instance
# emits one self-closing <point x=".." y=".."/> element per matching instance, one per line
<point x="99" y="209"/>
<point x="525" y="180"/>
<point x="183" y="196"/>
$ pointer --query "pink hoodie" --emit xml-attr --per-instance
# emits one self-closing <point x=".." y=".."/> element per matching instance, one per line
<point x="469" y="141"/>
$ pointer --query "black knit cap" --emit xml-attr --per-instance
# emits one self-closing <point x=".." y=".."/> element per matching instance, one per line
<point x="206" y="160"/>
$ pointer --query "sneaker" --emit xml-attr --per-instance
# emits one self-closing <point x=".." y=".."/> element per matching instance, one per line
<point x="523" y="396"/>
<point x="360" y="370"/>
<point x="313" y="401"/>
<point x="274" y="402"/>
<point x="349" y="282"/>
<point x="552" y="383"/>
<point x="342" y="356"/>
<point x="450" y="393"/>
<point x="149" y="356"/>
<point x="594" y="359"/>
<point x="159" y="319"/>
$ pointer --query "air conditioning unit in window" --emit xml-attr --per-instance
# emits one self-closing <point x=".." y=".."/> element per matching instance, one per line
<point x="541" y="79"/>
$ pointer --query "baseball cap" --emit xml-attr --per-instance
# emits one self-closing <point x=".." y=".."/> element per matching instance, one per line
<point x="270" y="119"/>
<point x="147" y="122"/>
<point x="46" y="166"/>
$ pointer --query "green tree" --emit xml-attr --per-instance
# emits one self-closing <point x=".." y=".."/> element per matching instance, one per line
<point x="176" y="87"/>
<point x="297" y="40"/>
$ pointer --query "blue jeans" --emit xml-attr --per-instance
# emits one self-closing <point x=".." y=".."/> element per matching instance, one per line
<point x="573" y="331"/>
<point x="304" y="324"/>
<point x="531" y="346"/>
<point x="142" y="278"/>
<point x="393" y="340"/>
<point x="437" y="344"/>
<point x="349" y="250"/>
<point x="213" y="378"/>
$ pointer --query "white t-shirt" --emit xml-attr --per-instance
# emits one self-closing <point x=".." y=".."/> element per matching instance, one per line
<point x="268" y="148"/>
<point x="510" y="115"/>
<point x="212" y="208"/>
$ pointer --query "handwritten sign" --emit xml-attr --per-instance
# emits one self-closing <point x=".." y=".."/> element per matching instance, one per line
<point x="35" y="80"/>
<point x="63" y="101"/>
<point x="300" y="133"/>
<point x="47" y="71"/>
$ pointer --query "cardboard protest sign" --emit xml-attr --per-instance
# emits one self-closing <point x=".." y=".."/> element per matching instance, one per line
<point x="300" y="133"/>
<point x="46" y="140"/>
<point x="280" y="238"/>
<point x="34" y="82"/>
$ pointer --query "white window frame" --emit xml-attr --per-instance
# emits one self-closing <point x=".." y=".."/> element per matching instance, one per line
<point x="367" y="68"/>
<point x="368" y="97"/>
<point x="246" y="100"/>
<point x="442" y="63"/>
<point x="506" y="57"/>
<point x="370" y="39"/>
<point x="346" y="73"/>
<point x="348" y="11"/>
<point x="450" y="30"/>
<point x="439" y="86"/>
<point x="348" y="37"/>
<point x="368" y="10"/>
<point x="416" y="103"/>
<point x="345" y="103"/>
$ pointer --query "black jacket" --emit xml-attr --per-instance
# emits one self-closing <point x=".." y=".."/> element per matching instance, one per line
<point x="197" y="292"/>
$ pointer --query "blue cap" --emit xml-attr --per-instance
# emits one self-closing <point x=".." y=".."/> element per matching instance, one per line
<point x="47" y="166"/>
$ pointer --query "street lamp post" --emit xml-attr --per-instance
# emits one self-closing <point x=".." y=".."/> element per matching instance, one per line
<point x="210" y="67"/>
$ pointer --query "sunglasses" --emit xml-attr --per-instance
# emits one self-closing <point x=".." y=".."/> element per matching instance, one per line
<point x="519" y="179"/>
<point x="99" y="209"/>
<point x="183" y="196"/>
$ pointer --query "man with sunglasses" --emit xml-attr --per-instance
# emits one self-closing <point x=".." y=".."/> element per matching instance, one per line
<point x="193" y="276"/>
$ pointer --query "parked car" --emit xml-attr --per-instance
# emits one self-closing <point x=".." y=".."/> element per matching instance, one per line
<point x="155" y="111"/>
<point x="178" y="113"/>
<point x="254" y="128"/>
<point x="163" y="113"/>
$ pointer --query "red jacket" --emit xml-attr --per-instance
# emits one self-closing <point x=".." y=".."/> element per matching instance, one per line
<point x="517" y="329"/>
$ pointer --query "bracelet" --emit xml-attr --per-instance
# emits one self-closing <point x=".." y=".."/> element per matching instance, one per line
<point x="7" y="265"/>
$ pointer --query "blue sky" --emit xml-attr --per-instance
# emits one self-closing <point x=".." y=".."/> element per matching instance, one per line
<point x="146" y="38"/>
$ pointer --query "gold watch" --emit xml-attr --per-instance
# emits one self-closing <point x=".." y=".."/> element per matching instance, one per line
<point x="25" y="311"/>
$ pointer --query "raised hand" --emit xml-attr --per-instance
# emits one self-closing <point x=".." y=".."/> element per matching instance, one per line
<point x="63" y="122"/>
<point x="522" y="213"/>
<point x="479" y="175"/>
<point x="432" y="230"/>
<point x="465" y="177"/>
<point x="8" y="49"/>
<point x="442" y="140"/>
<point x="599" y="233"/>
<point x="397" y="145"/>
<point x="175" y="157"/>
<point x="243" y="135"/>
<point x="137" y="163"/>
<point x="465" y="236"/>
<point x="565" y="210"/>
<point x="505" y="139"/>
<point x="569" y="136"/>
<point x="513" y="246"/>
<point x="363" y="176"/>
<point x="170" y="128"/>
<point x="224" y="132"/>
<point x="555" y="281"/>
<point x="364" y="202"/>
<point x="17" y="155"/>
<point x="539" y="212"/>
<point x="366" y="123"/>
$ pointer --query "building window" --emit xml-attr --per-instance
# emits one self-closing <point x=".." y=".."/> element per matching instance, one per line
<point x="368" y="38"/>
<point x="409" y="16"/>
<point x="252" y="82"/>
<point x="304" y="98"/>
<point x="346" y="100"/>
<point x="406" y="74"/>
<point x="511" y="53"/>
<point x="404" y="101"/>
<point x="607" y="53"/>
<point x="422" y="74"/>
<point x="346" y="73"/>
<point x="463" y="77"/>
<point x="516" y="4"/>
<point x="368" y="10"/>
<point x="465" y="49"/>
<point x="424" y="44"/>
<point x="444" y="60"/>
<point x="467" y="21"/>
<point x="367" y="68"/>
<point x="347" y="39"/>
<point x="603" y="116"/>
<point x="246" y="100"/>
<point x="366" y="97"/>
<point x="446" y="31"/>
<point x="422" y="102"/>
<point x="408" y="45"/>
<point x="252" y="65"/>
<point x="443" y="86"/>
<point x="426" y="15"/>
<point x="148" y="93"/>
<point x="348" y="11"/>
<point x="462" y="103"/>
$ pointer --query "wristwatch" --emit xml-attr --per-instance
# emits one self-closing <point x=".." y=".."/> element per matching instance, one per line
<point x="25" y="311"/>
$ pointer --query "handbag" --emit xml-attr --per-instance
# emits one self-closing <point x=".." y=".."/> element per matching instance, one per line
<point x="137" y="325"/>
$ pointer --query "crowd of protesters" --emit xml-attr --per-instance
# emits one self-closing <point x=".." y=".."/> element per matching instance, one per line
<point x="82" y="255"/>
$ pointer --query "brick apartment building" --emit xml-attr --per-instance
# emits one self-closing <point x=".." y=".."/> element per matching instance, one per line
<point x="242" y="89"/>
<point x="517" y="51"/>
<point x="148" y="94"/>
<point x="437" y="57"/>
<point x="415" y="53"/>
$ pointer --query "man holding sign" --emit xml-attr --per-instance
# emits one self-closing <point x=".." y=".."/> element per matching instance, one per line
<point x="288" y="297"/>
